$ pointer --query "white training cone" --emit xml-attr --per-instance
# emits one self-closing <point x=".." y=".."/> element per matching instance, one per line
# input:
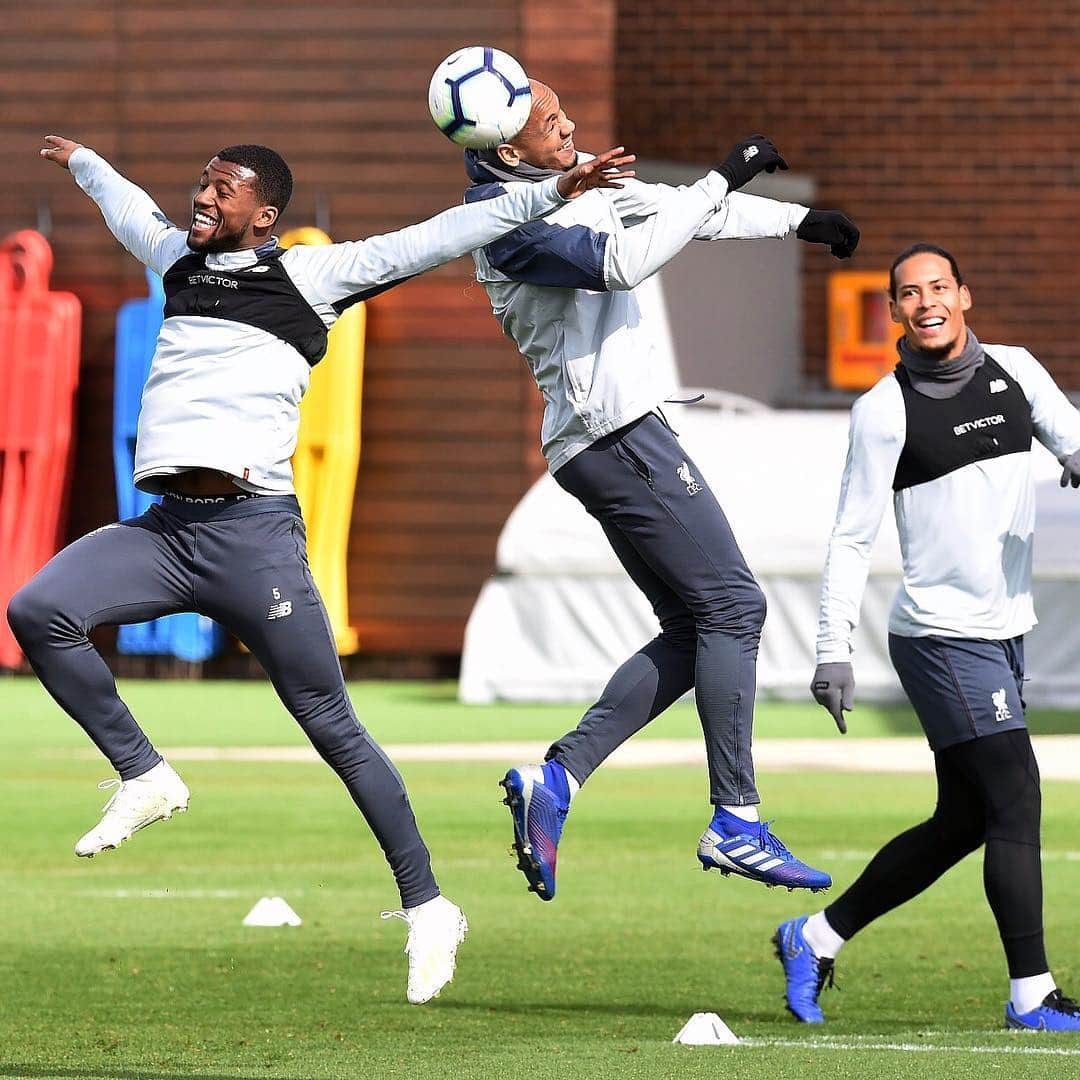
<point x="272" y="911"/>
<point x="706" y="1029"/>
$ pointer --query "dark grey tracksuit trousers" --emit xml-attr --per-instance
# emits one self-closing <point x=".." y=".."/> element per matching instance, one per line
<point x="674" y="541"/>
<point x="243" y="563"/>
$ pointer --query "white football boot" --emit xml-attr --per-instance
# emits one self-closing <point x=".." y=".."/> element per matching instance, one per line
<point x="436" y="929"/>
<point x="154" y="796"/>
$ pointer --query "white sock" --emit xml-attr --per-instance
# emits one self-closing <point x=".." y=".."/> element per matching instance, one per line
<point x="433" y="904"/>
<point x="153" y="772"/>
<point x="1028" y="993"/>
<point x="747" y="813"/>
<point x="821" y="937"/>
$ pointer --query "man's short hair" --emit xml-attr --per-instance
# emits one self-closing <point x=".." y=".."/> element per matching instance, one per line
<point x="273" y="178"/>
<point x="922" y="249"/>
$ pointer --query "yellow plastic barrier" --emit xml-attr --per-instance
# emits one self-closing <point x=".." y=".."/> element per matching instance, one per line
<point x="328" y="456"/>
<point x="862" y="338"/>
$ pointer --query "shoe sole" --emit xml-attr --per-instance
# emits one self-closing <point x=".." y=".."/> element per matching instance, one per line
<point x="731" y="868"/>
<point x="527" y="864"/>
<point x="778" y="952"/>
<point x="138" y="828"/>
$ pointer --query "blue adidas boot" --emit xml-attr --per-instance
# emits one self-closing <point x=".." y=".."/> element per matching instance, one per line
<point x="805" y="973"/>
<point x="1056" y="1013"/>
<point x="539" y="800"/>
<point x="747" y="848"/>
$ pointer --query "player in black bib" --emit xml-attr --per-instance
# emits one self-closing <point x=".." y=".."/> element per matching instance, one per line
<point x="244" y="323"/>
<point x="948" y="437"/>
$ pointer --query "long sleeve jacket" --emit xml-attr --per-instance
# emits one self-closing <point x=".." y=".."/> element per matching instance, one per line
<point x="564" y="290"/>
<point x="958" y="474"/>
<point x="243" y="328"/>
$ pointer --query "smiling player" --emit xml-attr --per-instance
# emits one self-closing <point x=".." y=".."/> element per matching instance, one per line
<point x="244" y="322"/>
<point x="948" y="438"/>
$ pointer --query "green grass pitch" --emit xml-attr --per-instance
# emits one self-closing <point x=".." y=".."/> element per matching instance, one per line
<point x="135" y="966"/>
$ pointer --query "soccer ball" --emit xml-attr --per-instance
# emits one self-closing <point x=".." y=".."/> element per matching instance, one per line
<point x="479" y="97"/>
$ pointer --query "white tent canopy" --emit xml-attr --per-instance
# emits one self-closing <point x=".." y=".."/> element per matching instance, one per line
<point x="560" y="613"/>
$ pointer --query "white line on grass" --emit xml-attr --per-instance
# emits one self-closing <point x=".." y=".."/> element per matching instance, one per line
<point x="873" y="1043"/>
<point x="1059" y="755"/>
<point x="169" y="894"/>
<point x="856" y="855"/>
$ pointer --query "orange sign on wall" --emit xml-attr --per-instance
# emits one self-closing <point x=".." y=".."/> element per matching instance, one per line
<point x="862" y="337"/>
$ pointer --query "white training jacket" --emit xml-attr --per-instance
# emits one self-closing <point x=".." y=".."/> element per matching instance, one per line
<point x="224" y="393"/>
<point x="562" y="289"/>
<point x="966" y="527"/>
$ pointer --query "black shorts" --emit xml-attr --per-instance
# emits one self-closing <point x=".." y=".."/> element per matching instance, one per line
<point x="961" y="688"/>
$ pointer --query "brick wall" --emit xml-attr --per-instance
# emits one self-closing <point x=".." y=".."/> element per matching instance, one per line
<point x="958" y="124"/>
<point x="340" y="88"/>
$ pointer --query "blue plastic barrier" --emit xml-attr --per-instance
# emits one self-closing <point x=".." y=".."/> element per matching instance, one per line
<point x="186" y="636"/>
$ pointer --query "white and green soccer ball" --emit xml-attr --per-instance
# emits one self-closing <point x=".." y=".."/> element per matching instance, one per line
<point x="479" y="97"/>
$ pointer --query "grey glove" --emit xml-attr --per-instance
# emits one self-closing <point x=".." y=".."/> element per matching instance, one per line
<point x="1071" y="475"/>
<point x="834" y="688"/>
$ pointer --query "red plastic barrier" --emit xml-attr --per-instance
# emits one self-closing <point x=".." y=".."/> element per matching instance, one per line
<point x="39" y="372"/>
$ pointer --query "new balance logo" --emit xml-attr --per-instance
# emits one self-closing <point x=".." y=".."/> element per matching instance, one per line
<point x="684" y="474"/>
<point x="749" y="152"/>
<point x="281" y="609"/>
<point x="259" y="270"/>
<point x="1001" y="706"/>
<point x="997" y="385"/>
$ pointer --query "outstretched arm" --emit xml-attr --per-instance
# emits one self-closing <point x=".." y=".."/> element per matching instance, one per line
<point x="746" y="217"/>
<point x="636" y="253"/>
<point x="739" y="217"/>
<point x="643" y="249"/>
<point x="132" y="216"/>
<point x="661" y="225"/>
<point x="342" y="274"/>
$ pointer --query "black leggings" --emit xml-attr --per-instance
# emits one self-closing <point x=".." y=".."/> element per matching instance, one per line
<point x="245" y="565"/>
<point x="988" y="793"/>
<point x="673" y="539"/>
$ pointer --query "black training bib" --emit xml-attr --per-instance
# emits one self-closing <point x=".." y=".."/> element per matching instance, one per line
<point x="989" y="418"/>
<point x="261" y="295"/>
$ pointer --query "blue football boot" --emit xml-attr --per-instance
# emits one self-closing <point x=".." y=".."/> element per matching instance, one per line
<point x="747" y="848"/>
<point x="539" y="799"/>
<point x="805" y="973"/>
<point x="1056" y="1013"/>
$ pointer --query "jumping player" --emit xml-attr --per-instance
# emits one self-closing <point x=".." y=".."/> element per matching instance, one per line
<point x="244" y="322"/>
<point x="563" y="290"/>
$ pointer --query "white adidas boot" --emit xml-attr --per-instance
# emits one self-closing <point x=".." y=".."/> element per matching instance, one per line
<point x="436" y="929"/>
<point x="136" y="803"/>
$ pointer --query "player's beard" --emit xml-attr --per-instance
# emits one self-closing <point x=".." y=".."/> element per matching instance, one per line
<point x="219" y="241"/>
<point x="941" y="353"/>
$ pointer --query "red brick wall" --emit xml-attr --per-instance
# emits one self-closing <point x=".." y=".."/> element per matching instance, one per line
<point x="340" y="88"/>
<point x="958" y="124"/>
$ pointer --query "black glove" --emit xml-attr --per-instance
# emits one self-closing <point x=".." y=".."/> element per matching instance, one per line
<point x="832" y="228"/>
<point x="834" y="688"/>
<point x="747" y="159"/>
<point x="1071" y="475"/>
